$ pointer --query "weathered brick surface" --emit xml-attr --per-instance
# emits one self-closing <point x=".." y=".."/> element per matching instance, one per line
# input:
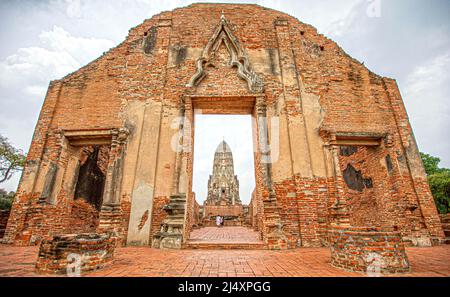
<point x="196" y="211"/>
<point x="43" y="216"/>
<point x="83" y="218"/>
<point x="445" y="220"/>
<point x="4" y="215"/>
<point x="233" y="214"/>
<point x="226" y="210"/>
<point x="158" y="213"/>
<point x="251" y="218"/>
<point x="366" y="249"/>
<point x="93" y="250"/>
<point x="129" y="100"/>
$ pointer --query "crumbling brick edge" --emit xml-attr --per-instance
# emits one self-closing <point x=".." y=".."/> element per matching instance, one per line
<point x="75" y="254"/>
<point x="372" y="250"/>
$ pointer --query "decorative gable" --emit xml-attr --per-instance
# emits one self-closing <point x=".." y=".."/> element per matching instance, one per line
<point x="223" y="38"/>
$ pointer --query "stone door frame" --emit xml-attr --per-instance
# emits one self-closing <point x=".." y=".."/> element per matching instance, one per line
<point x="254" y="105"/>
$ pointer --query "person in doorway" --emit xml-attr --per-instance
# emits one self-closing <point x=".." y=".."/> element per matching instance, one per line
<point x="221" y="221"/>
<point x="218" y="221"/>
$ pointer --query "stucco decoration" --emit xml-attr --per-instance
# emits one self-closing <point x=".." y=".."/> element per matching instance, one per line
<point x="238" y="59"/>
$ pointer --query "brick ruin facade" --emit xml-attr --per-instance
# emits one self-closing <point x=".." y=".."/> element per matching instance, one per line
<point x="333" y="144"/>
<point x="252" y="211"/>
<point x="368" y="249"/>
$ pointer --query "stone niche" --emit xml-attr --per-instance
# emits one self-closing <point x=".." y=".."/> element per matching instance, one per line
<point x="92" y="250"/>
<point x="368" y="249"/>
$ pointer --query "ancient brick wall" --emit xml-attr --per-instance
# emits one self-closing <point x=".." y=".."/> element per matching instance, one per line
<point x="252" y="212"/>
<point x="259" y="212"/>
<point x="158" y="213"/>
<point x="375" y="192"/>
<point x="4" y="215"/>
<point x="197" y="218"/>
<point x="371" y="250"/>
<point x="68" y="211"/>
<point x="224" y="210"/>
<point x="83" y="217"/>
<point x="367" y="185"/>
<point x="303" y="83"/>
<point x="445" y="221"/>
<point x="75" y="253"/>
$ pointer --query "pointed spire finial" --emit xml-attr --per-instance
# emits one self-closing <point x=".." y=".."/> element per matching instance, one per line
<point x="222" y="17"/>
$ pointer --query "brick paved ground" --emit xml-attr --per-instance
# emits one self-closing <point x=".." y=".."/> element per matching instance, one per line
<point x="225" y="235"/>
<point x="143" y="261"/>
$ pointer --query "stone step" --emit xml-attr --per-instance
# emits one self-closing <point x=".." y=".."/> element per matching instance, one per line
<point x="178" y="195"/>
<point x="225" y="245"/>
<point x="171" y="206"/>
<point x="179" y="216"/>
<point x="178" y="198"/>
<point x="173" y="222"/>
<point x="177" y="201"/>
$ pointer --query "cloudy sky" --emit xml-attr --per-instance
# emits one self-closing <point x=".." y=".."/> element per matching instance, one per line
<point x="408" y="40"/>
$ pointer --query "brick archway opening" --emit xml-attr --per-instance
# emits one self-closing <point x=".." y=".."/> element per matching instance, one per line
<point x="239" y="231"/>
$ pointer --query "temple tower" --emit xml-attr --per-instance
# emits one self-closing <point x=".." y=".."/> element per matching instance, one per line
<point x="223" y="184"/>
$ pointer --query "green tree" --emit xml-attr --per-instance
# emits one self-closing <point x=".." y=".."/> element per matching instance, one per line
<point x="6" y="199"/>
<point x="430" y="163"/>
<point x="12" y="160"/>
<point x="439" y="180"/>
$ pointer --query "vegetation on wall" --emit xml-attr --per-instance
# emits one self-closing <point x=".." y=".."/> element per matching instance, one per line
<point x="439" y="180"/>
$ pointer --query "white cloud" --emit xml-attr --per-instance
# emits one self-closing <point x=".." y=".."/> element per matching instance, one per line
<point x="340" y="23"/>
<point x="426" y="96"/>
<point x="429" y="76"/>
<point x="58" y="54"/>
<point x="35" y="65"/>
<point x="73" y="8"/>
<point x="25" y="75"/>
<point x="330" y="17"/>
<point x="35" y="90"/>
<point x="81" y="49"/>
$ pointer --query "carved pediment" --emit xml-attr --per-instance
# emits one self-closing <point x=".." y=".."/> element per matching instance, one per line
<point x="238" y="58"/>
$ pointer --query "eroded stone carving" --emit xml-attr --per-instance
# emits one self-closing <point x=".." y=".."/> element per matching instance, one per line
<point x="239" y="58"/>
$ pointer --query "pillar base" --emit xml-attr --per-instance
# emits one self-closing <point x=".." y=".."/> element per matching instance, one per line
<point x="374" y="251"/>
<point x="171" y="234"/>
